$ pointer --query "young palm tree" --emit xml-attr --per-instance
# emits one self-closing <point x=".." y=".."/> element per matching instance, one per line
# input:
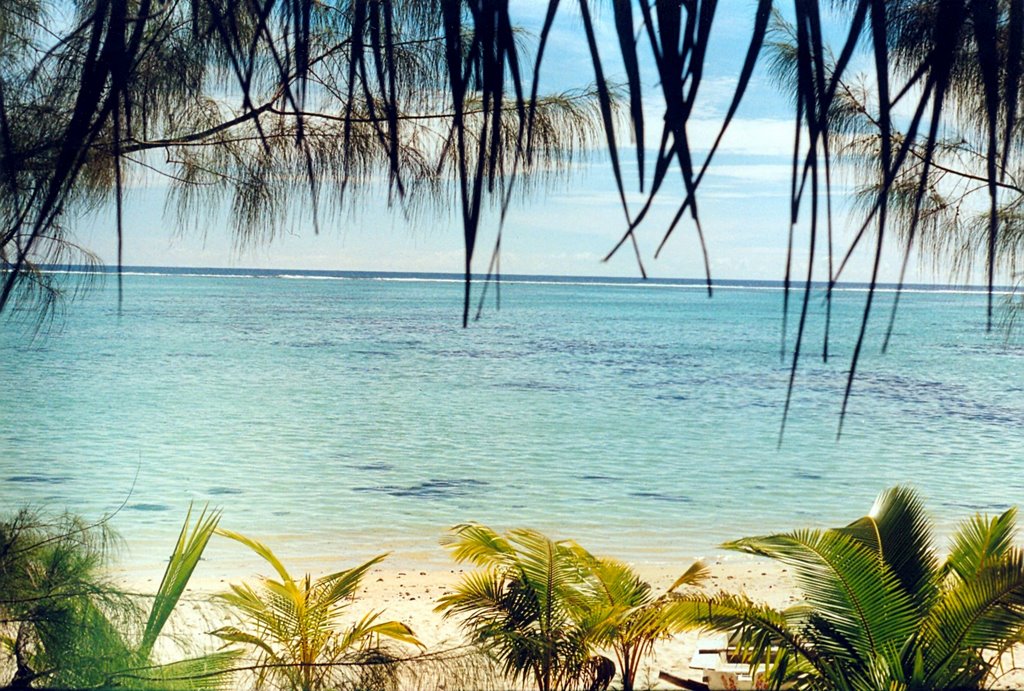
<point x="629" y="616"/>
<point x="526" y="604"/>
<point x="880" y="609"/>
<point x="295" y="625"/>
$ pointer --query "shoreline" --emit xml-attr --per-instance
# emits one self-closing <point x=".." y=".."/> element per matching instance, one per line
<point x="409" y="594"/>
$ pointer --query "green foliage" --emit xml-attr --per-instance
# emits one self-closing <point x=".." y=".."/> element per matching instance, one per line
<point x="67" y="626"/>
<point x="630" y="618"/>
<point x="545" y="608"/>
<point x="51" y="577"/>
<point x="525" y="604"/>
<point x="295" y="628"/>
<point x="880" y="609"/>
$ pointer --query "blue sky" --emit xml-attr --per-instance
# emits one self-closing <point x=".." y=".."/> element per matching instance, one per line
<point x="564" y="230"/>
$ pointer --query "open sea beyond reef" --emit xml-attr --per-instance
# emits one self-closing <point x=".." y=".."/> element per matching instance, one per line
<point x="346" y="414"/>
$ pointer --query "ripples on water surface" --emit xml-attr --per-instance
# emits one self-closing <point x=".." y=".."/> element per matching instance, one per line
<point x="345" y="417"/>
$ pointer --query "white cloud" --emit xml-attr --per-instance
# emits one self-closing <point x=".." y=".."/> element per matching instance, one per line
<point x="752" y="172"/>
<point x="745" y="136"/>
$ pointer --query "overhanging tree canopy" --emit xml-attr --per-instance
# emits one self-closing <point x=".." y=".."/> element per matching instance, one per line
<point x="255" y="98"/>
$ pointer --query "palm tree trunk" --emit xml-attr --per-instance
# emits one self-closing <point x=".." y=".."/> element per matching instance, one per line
<point x="627" y="669"/>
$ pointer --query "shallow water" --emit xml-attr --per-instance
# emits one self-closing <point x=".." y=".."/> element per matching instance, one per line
<point x="348" y="416"/>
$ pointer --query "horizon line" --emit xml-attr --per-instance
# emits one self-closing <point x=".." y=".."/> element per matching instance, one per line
<point x="695" y="282"/>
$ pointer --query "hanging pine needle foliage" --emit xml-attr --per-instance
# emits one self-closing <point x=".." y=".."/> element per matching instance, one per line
<point x="250" y="102"/>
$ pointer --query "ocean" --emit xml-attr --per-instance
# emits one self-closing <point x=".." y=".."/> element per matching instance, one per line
<point x="345" y="414"/>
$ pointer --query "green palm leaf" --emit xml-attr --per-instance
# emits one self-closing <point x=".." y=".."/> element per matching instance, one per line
<point x="233" y="634"/>
<point x="477" y="544"/>
<point x="296" y="623"/>
<point x="858" y="595"/>
<point x="260" y="549"/>
<point x="879" y="612"/>
<point x="367" y="628"/>
<point x="696" y="575"/>
<point x="897" y="528"/>
<point x="211" y="672"/>
<point x="188" y="550"/>
<point x="765" y="636"/>
<point x="985" y="612"/>
<point x="618" y="585"/>
<point x="523" y="604"/>
<point x="551" y="572"/>
<point x="981" y="541"/>
<point x="343" y="584"/>
<point x="478" y="594"/>
<point x="623" y="614"/>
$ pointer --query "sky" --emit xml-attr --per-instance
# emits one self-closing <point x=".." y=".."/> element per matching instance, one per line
<point x="567" y="229"/>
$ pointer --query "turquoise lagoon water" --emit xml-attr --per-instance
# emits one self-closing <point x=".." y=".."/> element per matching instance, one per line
<point x="347" y="414"/>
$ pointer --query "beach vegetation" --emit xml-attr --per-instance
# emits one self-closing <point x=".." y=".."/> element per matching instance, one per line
<point x="526" y="604"/>
<point x="880" y="607"/>
<point x="300" y="632"/>
<point x="67" y="626"/>
<point x="268" y="116"/>
<point x="547" y="610"/>
<point x="628" y="615"/>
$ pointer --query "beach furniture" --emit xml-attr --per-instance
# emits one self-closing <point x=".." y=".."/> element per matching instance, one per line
<point x="719" y="670"/>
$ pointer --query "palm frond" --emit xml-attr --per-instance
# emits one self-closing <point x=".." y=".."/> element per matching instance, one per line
<point x="525" y="604"/>
<point x="336" y="587"/>
<point x="878" y="610"/>
<point x="856" y="593"/>
<point x="233" y="634"/>
<point x="260" y="549"/>
<point x="618" y="585"/>
<point x="766" y="637"/>
<point x="549" y="569"/>
<point x="369" y="628"/>
<point x="696" y="575"/>
<point x="187" y="552"/>
<point x="297" y="626"/>
<point x="212" y="672"/>
<point x="981" y="541"/>
<point x="477" y="544"/>
<point x="477" y="593"/>
<point x="898" y="530"/>
<point x="985" y="612"/>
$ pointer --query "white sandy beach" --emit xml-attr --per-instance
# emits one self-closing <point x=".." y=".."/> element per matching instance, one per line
<point x="409" y="594"/>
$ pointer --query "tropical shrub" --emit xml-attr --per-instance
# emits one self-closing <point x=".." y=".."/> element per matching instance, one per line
<point x="295" y="628"/>
<point x="628" y="616"/>
<point x="544" y="608"/>
<point x="880" y="608"/>
<point x="524" y="604"/>
<point x="65" y="625"/>
<point x="51" y="573"/>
